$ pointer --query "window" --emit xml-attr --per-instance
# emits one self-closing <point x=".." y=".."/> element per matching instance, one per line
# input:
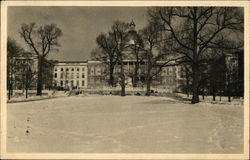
<point x="97" y="80"/>
<point x="82" y="82"/>
<point x="77" y="83"/>
<point x="72" y="69"/>
<point x="83" y="76"/>
<point x="55" y="75"/>
<point x="72" y="75"/>
<point x="72" y="83"/>
<point x="61" y="69"/>
<point x="98" y="71"/>
<point x="83" y="69"/>
<point x="182" y="76"/>
<point x="77" y="69"/>
<point x="92" y="71"/>
<point x="61" y="83"/>
<point x="61" y="75"/>
<point x="91" y="79"/>
<point x="77" y="75"/>
<point x="67" y="69"/>
<point x="55" y="84"/>
<point x="55" y="69"/>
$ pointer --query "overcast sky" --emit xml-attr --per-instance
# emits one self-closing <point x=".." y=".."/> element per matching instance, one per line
<point x="80" y="25"/>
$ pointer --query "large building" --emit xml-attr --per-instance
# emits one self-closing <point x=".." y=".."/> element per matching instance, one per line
<point x="95" y="74"/>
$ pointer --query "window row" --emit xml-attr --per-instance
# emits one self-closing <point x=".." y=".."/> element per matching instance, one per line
<point x="62" y="75"/>
<point x="72" y="69"/>
<point x="23" y="61"/>
<point x="71" y="83"/>
<point x="94" y="71"/>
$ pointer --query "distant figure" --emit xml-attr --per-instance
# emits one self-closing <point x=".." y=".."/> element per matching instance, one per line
<point x="27" y="132"/>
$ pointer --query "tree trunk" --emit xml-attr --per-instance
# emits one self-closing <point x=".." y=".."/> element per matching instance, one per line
<point x="39" y="78"/>
<point x="123" y="85"/>
<point x="213" y="90"/>
<point x="10" y="87"/>
<point x="123" y="90"/>
<point x="135" y="74"/>
<point x="203" y="93"/>
<point x="148" y="78"/>
<point x="137" y="63"/>
<point x="111" y="76"/>
<point x="26" y="92"/>
<point x="122" y="77"/>
<point x="195" y="66"/>
<point x="229" y="92"/>
<point x="214" y="96"/>
<point x="135" y="80"/>
<point x="9" y="94"/>
<point x="195" y="98"/>
<point x="229" y="87"/>
<point x="187" y="82"/>
<point x="27" y="82"/>
<point x="148" y="91"/>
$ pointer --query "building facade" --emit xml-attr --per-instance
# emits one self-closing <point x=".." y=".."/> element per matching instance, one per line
<point x="95" y="74"/>
<point x="70" y="74"/>
<point x="25" y="70"/>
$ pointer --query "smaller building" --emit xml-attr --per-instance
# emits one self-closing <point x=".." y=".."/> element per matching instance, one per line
<point x="97" y="74"/>
<point x="26" y="64"/>
<point x="70" y="74"/>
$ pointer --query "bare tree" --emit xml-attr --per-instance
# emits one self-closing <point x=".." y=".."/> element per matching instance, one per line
<point x="29" y="76"/>
<point x="13" y="49"/>
<point x="156" y="55"/>
<point x="106" y="53"/>
<point x="195" y="29"/>
<point x="138" y="50"/>
<point x="25" y="75"/>
<point x="41" y="40"/>
<point x="120" y="32"/>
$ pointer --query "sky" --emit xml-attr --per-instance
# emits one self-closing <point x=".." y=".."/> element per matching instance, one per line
<point x="80" y="25"/>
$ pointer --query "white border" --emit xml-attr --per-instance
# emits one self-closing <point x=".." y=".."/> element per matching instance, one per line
<point x="6" y="155"/>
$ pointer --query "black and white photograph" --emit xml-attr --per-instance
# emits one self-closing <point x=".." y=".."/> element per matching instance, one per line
<point x="142" y="78"/>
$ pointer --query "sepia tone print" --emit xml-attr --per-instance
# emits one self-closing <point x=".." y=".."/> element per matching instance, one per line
<point x="164" y="79"/>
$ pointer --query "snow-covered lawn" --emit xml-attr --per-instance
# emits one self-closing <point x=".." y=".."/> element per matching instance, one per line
<point x="131" y="124"/>
<point x="21" y="97"/>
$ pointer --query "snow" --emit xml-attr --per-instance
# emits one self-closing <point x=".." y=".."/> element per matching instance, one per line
<point x="131" y="124"/>
<point x="47" y="95"/>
